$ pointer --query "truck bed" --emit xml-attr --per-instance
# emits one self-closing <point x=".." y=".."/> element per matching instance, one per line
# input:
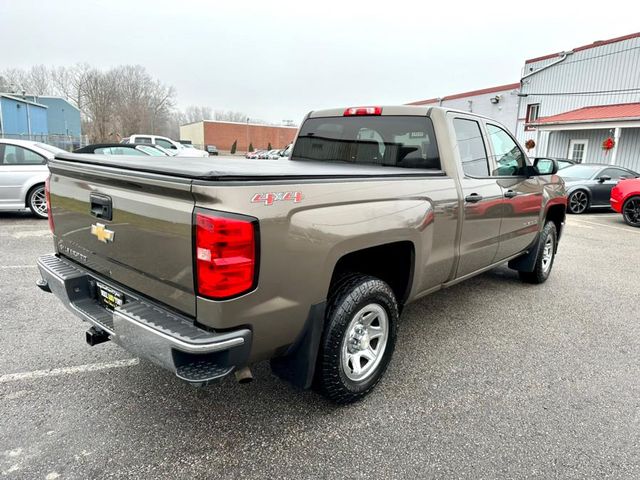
<point x="233" y="168"/>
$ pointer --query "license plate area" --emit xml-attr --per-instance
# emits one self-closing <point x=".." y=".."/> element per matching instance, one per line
<point x="109" y="297"/>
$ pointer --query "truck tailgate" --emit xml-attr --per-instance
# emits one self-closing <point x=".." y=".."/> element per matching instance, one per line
<point x="145" y="245"/>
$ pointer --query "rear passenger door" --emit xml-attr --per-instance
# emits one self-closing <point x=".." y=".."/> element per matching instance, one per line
<point x="482" y="197"/>
<point x="522" y="195"/>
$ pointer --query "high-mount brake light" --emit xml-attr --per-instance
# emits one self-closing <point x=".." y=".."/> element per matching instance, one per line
<point x="225" y="254"/>
<point x="47" y="194"/>
<point x="356" y="111"/>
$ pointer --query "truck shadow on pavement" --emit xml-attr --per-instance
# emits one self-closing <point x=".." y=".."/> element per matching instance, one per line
<point x="271" y="407"/>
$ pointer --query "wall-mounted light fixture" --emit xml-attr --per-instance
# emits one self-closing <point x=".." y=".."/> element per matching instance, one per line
<point x="495" y="99"/>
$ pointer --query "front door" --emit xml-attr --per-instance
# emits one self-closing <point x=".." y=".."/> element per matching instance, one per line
<point x="577" y="150"/>
<point x="522" y="195"/>
<point x="482" y="202"/>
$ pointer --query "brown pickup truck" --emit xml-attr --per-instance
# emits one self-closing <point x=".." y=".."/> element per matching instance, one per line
<point x="206" y="266"/>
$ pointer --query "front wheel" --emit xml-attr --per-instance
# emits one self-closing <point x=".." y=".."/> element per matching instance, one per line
<point x="358" y="340"/>
<point x="578" y="202"/>
<point x="631" y="211"/>
<point x="37" y="201"/>
<point x="546" y="256"/>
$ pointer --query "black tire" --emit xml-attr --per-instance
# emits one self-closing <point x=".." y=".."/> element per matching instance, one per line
<point x="35" y="197"/>
<point x="348" y="297"/>
<point x="631" y="211"/>
<point x="578" y="202"/>
<point x="542" y="270"/>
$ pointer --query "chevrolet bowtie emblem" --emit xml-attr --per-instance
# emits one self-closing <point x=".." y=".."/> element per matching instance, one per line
<point x="102" y="233"/>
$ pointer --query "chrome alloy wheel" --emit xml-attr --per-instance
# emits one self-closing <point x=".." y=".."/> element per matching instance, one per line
<point x="365" y="341"/>
<point x="39" y="202"/>
<point x="547" y="254"/>
<point x="578" y="202"/>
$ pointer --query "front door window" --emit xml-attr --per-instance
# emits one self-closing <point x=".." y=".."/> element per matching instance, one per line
<point x="577" y="150"/>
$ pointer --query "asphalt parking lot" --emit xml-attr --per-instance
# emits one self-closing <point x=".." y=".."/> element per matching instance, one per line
<point x="491" y="378"/>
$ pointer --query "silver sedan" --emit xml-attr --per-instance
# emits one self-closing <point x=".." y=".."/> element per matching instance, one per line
<point x="23" y="171"/>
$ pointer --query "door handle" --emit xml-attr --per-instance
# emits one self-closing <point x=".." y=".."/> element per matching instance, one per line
<point x="510" y="194"/>
<point x="473" y="198"/>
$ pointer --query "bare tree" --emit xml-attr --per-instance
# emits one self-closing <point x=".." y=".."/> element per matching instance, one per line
<point x="123" y="100"/>
<point x="70" y="82"/>
<point x="100" y="96"/>
<point x="195" y="113"/>
<point x="231" y="116"/>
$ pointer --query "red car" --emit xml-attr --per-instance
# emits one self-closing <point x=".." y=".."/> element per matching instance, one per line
<point x="625" y="199"/>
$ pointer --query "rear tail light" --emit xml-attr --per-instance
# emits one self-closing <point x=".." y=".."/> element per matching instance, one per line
<point x="47" y="193"/>
<point x="225" y="254"/>
<point x="354" y="111"/>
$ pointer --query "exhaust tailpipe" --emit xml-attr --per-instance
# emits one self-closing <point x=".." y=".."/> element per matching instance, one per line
<point x="244" y="375"/>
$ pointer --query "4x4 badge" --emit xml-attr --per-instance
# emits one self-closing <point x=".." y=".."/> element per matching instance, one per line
<point x="270" y="197"/>
<point x="101" y="232"/>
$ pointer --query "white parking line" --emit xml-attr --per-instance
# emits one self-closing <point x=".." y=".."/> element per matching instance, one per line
<point x="630" y="229"/>
<point x="55" y="372"/>
<point x="31" y="233"/>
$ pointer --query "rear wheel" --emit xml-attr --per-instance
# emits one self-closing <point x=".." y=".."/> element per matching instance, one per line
<point x="37" y="201"/>
<point x="578" y="202"/>
<point x="359" y="338"/>
<point x="546" y="256"/>
<point x="631" y="211"/>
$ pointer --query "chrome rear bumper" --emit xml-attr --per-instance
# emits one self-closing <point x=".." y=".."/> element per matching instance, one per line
<point x="145" y="328"/>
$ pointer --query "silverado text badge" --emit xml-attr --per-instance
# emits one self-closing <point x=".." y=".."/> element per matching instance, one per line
<point x="102" y="233"/>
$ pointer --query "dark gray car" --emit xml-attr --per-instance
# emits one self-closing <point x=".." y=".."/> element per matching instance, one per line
<point x="589" y="185"/>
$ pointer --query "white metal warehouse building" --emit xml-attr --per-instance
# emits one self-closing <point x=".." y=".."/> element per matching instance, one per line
<point x="570" y="103"/>
<point x="573" y="101"/>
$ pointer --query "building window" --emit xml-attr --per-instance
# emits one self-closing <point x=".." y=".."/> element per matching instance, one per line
<point x="577" y="150"/>
<point x="533" y="110"/>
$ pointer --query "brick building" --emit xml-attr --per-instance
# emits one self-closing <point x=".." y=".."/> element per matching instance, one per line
<point x="223" y="134"/>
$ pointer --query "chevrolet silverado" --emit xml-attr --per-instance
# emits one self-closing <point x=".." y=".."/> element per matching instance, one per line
<point x="207" y="266"/>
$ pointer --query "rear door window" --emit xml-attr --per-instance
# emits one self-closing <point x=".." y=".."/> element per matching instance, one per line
<point x="473" y="154"/>
<point x="390" y="141"/>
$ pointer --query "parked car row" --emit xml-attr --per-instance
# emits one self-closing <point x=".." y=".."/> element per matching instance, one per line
<point x="23" y="173"/>
<point x="589" y="185"/>
<point x="273" y="154"/>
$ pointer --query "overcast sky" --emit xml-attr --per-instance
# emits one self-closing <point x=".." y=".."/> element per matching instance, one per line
<point x="277" y="60"/>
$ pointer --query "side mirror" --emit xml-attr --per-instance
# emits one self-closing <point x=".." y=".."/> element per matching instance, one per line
<point x="545" y="166"/>
<point x="604" y="178"/>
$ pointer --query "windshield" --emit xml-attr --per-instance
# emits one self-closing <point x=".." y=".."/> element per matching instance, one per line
<point x="390" y="141"/>
<point x="49" y="148"/>
<point x="168" y="153"/>
<point x="583" y="172"/>
<point x="154" y="152"/>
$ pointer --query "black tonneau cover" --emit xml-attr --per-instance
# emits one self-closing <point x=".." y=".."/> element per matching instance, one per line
<point x="233" y="168"/>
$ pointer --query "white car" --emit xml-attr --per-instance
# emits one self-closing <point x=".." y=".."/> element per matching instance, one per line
<point x="180" y="149"/>
<point x="23" y="171"/>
